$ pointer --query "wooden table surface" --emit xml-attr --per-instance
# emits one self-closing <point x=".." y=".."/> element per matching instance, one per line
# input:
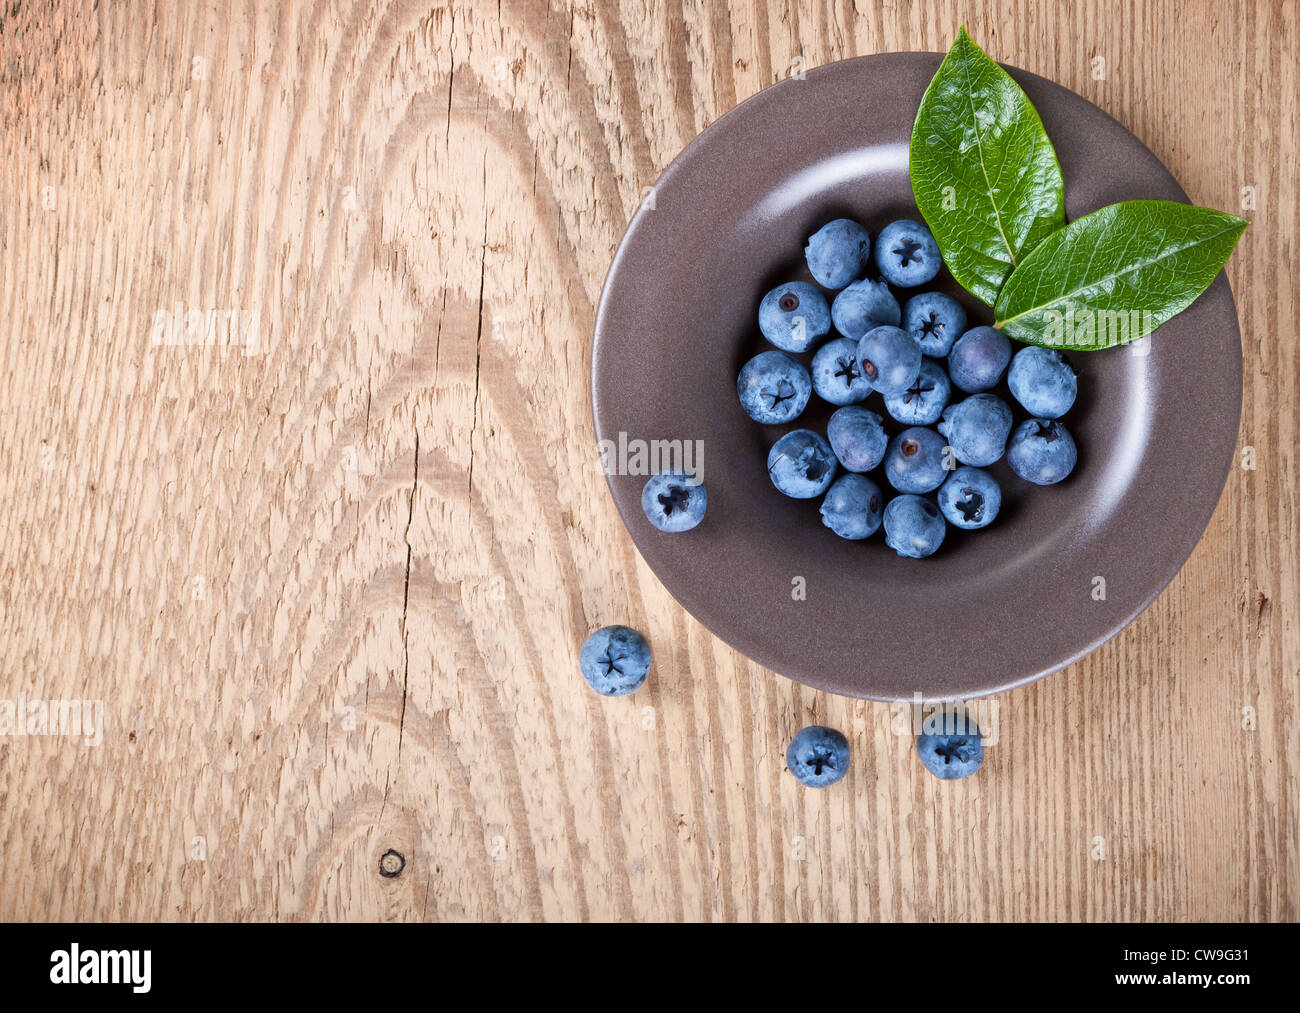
<point x="330" y="582"/>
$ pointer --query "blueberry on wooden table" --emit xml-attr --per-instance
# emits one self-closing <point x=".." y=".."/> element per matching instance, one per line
<point x="615" y="660"/>
<point x="950" y="746"/>
<point x="818" y="756"/>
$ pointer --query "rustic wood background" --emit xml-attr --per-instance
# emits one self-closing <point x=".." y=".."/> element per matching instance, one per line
<point x="331" y="591"/>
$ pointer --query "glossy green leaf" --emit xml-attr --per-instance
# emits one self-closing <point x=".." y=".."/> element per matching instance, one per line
<point x="984" y="173"/>
<point x="1117" y="274"/>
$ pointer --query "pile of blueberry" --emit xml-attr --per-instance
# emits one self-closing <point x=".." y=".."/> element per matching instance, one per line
<point x="862" y="341"/>
<point x="935" y="378"/>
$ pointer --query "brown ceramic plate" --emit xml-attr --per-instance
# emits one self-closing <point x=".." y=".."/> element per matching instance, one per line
<point x="995" y="608"/>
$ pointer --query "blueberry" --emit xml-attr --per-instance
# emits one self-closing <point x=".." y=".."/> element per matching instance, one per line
<point x="818" y="756"/>
<point x="906" y="254"/>
<point x="836" y="375"/>
<point x="890" y="359"/>
<point x="1042" y="451"/>
<point x="615" y="660"/>
<point x="978" y="359"/>
<point x="773" y="388"/>
<point x="1043" y="381"/>
<point x="977" y="429"/>
<point x="838" y="252"/>
<point x="801" y="464"/>
<point x="793" y="316"/>
<point x="935" y="321"/>
<point x="857" y="436"/>
<point x="970" y="498"/>
<point x="863" y="305"/>
<point x="674" y="501"/>
<point x="913" y="526"/>
<point x="915" y="459"/>
<point x="853" y="506"/>
<point x="950" y="745"/>
<point x="923" y="402"/>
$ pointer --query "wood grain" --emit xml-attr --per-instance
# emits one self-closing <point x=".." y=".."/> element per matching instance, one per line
<point x="331" y="588"/>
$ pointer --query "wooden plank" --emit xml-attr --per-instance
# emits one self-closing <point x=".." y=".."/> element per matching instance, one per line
<point x="330" y="588"/>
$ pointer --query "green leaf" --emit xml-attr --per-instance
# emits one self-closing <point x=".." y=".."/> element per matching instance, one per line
<point x="1117" y="274"/>
<point x="984" y="173"/>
